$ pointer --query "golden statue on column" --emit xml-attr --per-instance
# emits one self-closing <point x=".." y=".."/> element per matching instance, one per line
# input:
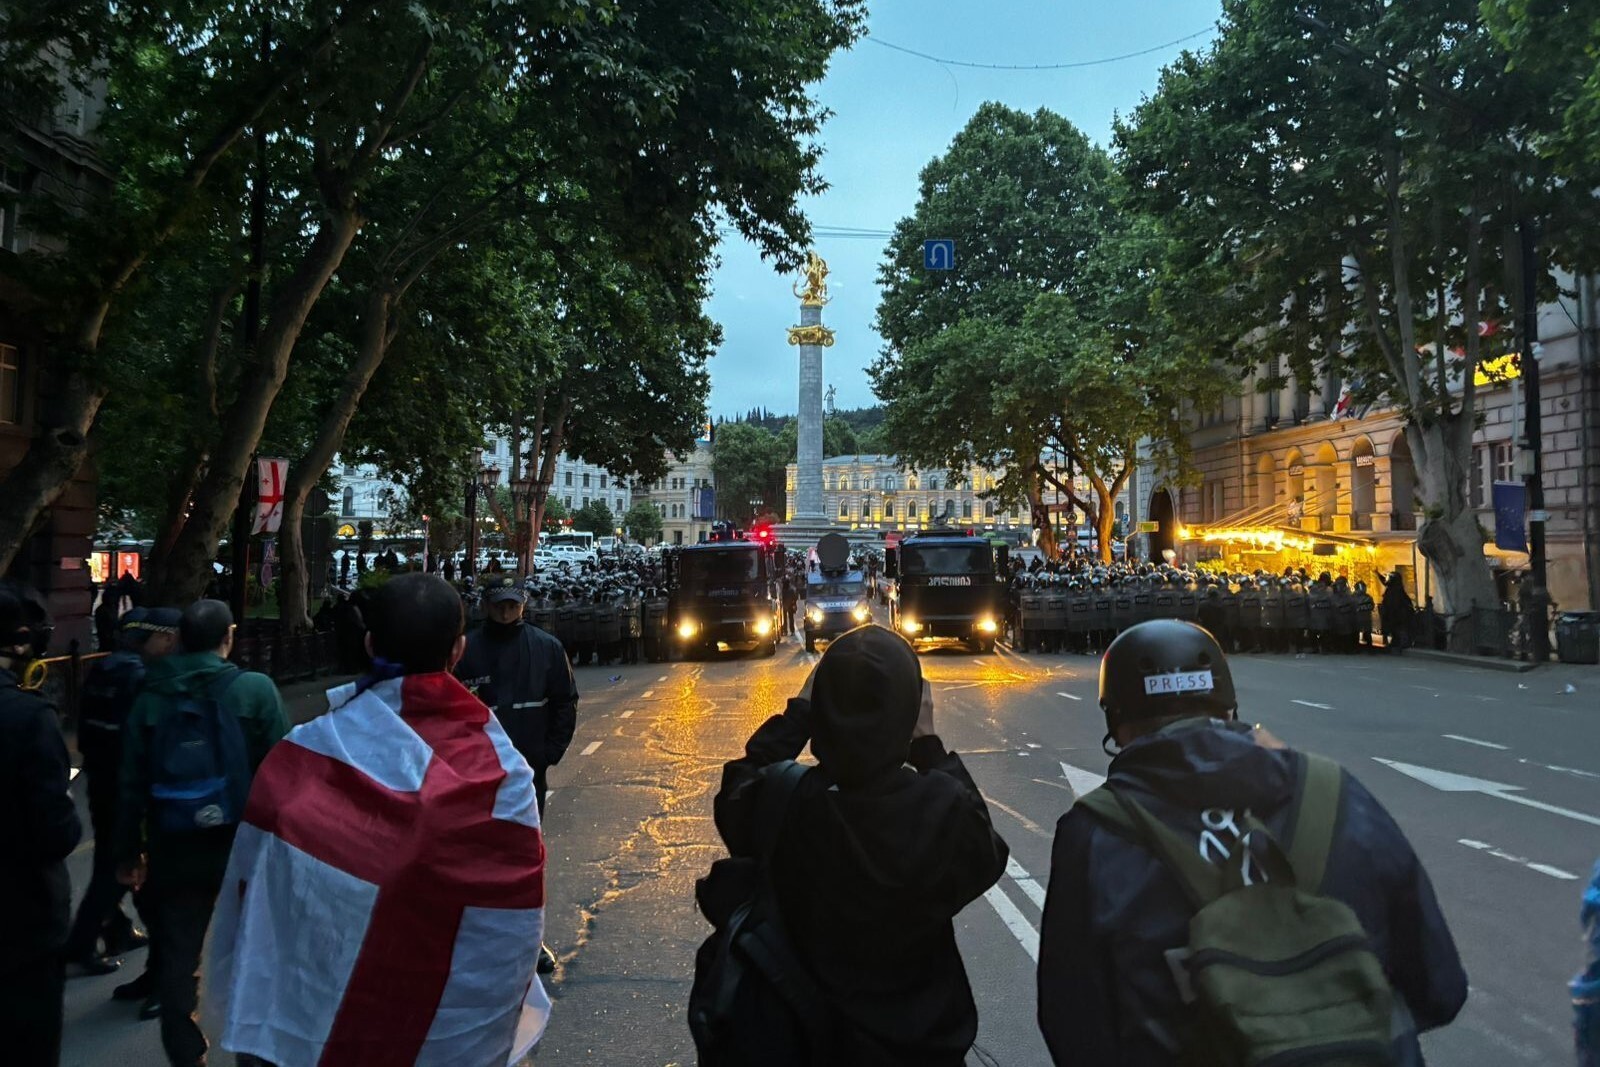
<point x="815" y="293"/>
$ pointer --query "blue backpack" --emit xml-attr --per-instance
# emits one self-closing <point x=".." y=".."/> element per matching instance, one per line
<point x="199" y="768"/>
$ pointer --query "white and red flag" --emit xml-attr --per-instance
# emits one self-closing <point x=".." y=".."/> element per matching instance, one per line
<point x="384" y="903"/>
<point x="271" y="476"/>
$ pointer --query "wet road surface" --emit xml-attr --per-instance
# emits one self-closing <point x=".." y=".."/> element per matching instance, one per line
<point x="1494" y="777"/>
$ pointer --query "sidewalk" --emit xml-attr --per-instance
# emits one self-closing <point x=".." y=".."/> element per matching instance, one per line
<point x="306" y="700"/>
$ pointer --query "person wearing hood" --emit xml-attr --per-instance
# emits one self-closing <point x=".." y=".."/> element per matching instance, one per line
<point x="524" y="676"/>
<point x="882" y="845"/>
<point x="39" y="832"/>
<point x="1115" y="910"/>
<point x="182" y="870"/>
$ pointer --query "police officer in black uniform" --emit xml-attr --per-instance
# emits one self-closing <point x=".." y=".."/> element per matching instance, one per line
<point x="143" y="635"/>
<point x="524" y="676"/>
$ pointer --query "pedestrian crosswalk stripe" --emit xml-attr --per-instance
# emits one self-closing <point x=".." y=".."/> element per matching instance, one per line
<point x="1015" y="921"/>
<point x="590" y="748"/>
<point x="1025" y="882"/>
<point x="628" y="714"/>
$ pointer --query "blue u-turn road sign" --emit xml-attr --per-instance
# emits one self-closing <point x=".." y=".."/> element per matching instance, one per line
<point x="939" y="255"/>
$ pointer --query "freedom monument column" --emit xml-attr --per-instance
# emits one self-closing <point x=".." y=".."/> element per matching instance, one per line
<point x="809" y="520"/>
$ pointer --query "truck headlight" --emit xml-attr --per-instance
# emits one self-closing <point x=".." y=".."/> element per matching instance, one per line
<point x="910" y="626"/>
<point x="987" y="625"/>
<point x="762" y="627"/>
<point x="861" y="613"/>
<point x="815" y="615"/>
<point x="688" y="628"/>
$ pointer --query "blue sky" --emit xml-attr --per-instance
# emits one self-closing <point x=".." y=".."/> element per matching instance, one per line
<point x="892" y="114"/>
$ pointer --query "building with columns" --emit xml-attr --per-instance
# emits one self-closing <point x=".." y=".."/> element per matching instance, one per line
<point x="685" y="498"/>
<point x="1283" y="481"/>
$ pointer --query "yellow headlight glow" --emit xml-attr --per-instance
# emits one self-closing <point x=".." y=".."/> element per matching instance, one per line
<point x="687" y="628"/>
<point x="910" y="626"/>
<point x="763" y="627"/>
<point x="861" y="613"/>
<point x="987" y="626"/>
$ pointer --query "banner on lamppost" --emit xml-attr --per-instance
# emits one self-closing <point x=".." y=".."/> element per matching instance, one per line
<point x="271" y="476"/>
<point x="1510" y="516"/>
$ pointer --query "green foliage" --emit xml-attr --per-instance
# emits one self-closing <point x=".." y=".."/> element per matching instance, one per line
<point x="747" y="464"/>
<point x="642" y="522"/>
<point x="594" y="517"/>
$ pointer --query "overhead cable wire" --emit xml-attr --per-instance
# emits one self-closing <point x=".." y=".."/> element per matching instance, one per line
<point x="1040" y="66"/>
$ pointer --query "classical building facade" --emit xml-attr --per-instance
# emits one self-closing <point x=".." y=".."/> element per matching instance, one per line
<point x="685" y="498"/>
<point x="1284" y="481"/>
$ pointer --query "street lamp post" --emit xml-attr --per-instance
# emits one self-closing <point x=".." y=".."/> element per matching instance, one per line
<point x="522" y="493"/>
<point x="480" y="479"/>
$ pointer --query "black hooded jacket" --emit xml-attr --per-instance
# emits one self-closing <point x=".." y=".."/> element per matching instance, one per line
<point x="1113" y="909"/>
<point x="524" y="676"/>
<point x="876" y="859"/>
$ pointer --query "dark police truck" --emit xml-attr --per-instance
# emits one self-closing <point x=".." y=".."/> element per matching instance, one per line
<point x="724" y="595"/>
<point x="836" y="595"/>
<point x="947" y="584"/>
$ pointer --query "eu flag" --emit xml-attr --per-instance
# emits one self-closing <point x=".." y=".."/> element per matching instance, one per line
<point x="1510" y="516"/>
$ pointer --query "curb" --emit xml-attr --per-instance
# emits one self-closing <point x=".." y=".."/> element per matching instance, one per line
<point x="1461" y="659"/>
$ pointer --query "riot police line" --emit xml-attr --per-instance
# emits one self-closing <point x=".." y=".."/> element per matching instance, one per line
<point x="1080" y="607"/>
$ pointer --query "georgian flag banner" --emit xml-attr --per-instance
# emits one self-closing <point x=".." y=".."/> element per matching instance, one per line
<point x="271" y="476"/>
<point x="384" y="902"/>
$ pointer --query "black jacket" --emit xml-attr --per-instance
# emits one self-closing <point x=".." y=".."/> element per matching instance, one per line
<point x="869" y="880"/>
<point x="40" y="830"/>
<point x="523" y="674"/>
<point x="1113" y="909"/>
<point x="108" y="694"/>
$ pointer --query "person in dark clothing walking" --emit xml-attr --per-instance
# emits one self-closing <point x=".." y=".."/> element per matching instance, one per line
<point x="109" y="690"/>
<point x="1395" y="613"/>
<point x="183" y="870"/>
<point x="522" y="673"/>
<point x="882" y="845"/>
<point x="1115" y="912"/>
<point x="791" y="601"/>
<point x="40" y="830"/>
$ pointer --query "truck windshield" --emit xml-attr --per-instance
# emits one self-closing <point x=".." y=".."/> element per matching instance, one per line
<point x="720" y="568"/>
<point x="836" y="589"/>
<point x="924" y="560"/>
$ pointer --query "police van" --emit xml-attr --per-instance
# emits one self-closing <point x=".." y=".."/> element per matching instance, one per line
<point x="947" y="584"/>
<point x="724" y="595"/>
<point x="836" y="594"/>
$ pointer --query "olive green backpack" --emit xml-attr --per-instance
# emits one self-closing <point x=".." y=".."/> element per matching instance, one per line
<point x="1275" y="974"/>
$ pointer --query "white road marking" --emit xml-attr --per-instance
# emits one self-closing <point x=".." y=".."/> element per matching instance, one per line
<point x="628" y="714"/>
<point x="1069" y="696"/>
<point x="1034" y="744"/>
<point x="1521" y="861"/>
<point x="662" y="678"/>
<point x="1475" y="741"/>
<point x="953" y="688"/>
<point x="1450" y="782"/>
<point x="647" y="694"/>
<point x="1311" y="704"/>
<point x="1025" y="882"/>
<point x="1082" y="781"/>
<point x="589" y="749"/>
<point x="1027" y="823"/>
<point x="73" y="773"/>
<point x="1015" y="921"/>
<point x="1560" y="770"/>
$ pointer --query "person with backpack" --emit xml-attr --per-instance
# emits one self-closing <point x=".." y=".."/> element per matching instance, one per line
<point x="844" y="879"/>
<point x="191" y="744"/>
<point x="1226" y="900"/>
<point x="144" y="635"/>
<point x="39" y="832"/>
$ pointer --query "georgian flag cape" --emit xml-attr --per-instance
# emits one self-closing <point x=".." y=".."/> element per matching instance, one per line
<point x="384" y="902"/>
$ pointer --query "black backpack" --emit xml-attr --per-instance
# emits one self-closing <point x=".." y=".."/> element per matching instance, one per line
<point x="199" y="768"/>
<point x="752" y="995"/>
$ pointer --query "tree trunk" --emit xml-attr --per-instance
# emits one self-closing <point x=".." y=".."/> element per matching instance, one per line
<point x="1041" y="518"/>
<point x="377" y="332"/>
<point x="54" y="456"/>
<point x="189" y="564"/>
<point x="1450" y="538"/>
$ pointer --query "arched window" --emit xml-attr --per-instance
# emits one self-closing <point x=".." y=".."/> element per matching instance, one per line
<point x="988" y="509"/>
<point x="844" y="483"/>
<point x="949" y="508"/>
<point x="966" y="509"/>
<point x="911" y="509"/>
<point x="844" y="509"/>
<point x="889" y="483"/>
<point x="911" y="480"/>
<point x="866" y="509"/>
<point x="933" y="483"/>
<point x="888" y="509"/>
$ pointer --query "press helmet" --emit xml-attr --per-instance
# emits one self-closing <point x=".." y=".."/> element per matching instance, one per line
<point x="1164" y="669"/>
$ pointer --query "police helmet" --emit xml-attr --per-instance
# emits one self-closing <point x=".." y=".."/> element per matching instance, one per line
<point x="1164" y="669"/>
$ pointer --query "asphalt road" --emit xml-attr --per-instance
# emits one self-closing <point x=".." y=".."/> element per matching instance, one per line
<point x="1494" y="777"/>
